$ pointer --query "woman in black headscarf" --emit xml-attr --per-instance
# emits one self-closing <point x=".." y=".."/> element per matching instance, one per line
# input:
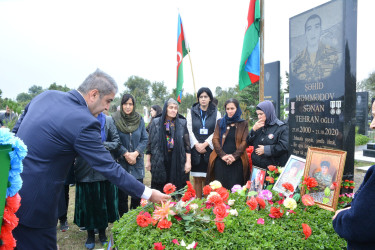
<point x="154" y="112"/>
<point x="269" y="136"/>
<point x="229" y="163"/>
<point x="168" y="148"/>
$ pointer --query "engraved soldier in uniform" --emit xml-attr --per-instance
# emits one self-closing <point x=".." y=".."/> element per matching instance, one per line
<point x="317" y="60"/>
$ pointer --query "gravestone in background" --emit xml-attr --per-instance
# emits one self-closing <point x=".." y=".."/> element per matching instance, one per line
<point x="272" y="85"/>
<point x="323" y="93"/>
<point x="361" y="112"/>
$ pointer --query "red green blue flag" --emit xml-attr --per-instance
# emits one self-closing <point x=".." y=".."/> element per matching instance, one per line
<point x="250" y="57"/>
<point x="182" y="51"/>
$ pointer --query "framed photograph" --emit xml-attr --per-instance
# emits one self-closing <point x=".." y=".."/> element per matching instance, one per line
<point x="292" y="174"/>
<point x="257" y="179"/>
<point x="326" y="167"/>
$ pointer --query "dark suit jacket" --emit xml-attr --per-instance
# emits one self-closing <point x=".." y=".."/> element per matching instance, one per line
<point x="56" y="126"/>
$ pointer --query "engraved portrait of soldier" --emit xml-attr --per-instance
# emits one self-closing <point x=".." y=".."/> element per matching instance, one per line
<point x="318" y="60"/>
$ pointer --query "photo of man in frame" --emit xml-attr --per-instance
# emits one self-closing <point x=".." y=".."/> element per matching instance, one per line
<point x="325" y="173"/>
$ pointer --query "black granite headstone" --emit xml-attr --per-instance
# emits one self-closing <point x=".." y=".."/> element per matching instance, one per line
<point x="323" y="44"/>
<point x="272" y="85"/>
<point x="361" y="112"/>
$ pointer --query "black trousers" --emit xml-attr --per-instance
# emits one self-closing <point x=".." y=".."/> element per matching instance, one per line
<point x="123" y="206"/>
<point x="35" y="238"/>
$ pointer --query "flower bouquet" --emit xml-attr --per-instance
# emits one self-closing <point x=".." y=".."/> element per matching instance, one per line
<point x="236" y="219"/>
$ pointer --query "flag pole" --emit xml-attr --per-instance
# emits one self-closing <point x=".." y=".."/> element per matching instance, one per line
<point x="261" y="77"/>
<point x="191" y="66"/>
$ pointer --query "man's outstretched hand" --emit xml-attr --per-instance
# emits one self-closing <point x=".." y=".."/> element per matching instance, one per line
<point x="158" y="197"/>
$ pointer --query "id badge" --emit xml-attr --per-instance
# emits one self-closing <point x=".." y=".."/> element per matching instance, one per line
<point x="203" y="131"/>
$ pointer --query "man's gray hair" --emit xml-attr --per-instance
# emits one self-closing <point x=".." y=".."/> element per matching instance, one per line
<point x="101" y="81"/>
<point x="172" y="101"/>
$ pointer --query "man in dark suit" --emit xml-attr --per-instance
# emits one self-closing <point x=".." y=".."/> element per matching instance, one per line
<point x="56" y="126"/>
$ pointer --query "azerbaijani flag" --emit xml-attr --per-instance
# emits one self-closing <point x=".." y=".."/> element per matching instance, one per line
<point x="182" y="50"/>
<point x="250" y="58"/>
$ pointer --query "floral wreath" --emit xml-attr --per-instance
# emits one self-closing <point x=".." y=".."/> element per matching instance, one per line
<point x="12" y="202"/>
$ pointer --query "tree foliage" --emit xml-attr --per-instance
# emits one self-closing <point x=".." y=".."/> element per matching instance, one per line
<point x="159" y="93"/>
<point x="55" y="86"/>
<point x="368" y="85"/>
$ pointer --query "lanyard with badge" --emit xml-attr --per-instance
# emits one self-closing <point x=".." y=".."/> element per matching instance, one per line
<point x="203" y="131"/>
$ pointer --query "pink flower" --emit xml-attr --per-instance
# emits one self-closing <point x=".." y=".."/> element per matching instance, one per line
<point x="175" y="241"/>
<point x="260" y="221"/>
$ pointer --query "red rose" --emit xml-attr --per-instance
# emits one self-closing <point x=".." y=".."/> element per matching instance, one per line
<point x="270" y="179"/>
<point x="207" y="190"/>
<point x="346" y="186"/>
<point x="306" y="230"/>
<point x="223" y="192"/>
<point x="352" y="187"/>
<point x="252" y="203"/>
<point x="164" y="223"/>
<point x="275" y="212"/>
<point x="158" y="246"/>
<point x="351" y="181"/>
<point x="346" y="180"/>
<point x="220" y="225"/>
<point x="220" y="210"/>
<point x="288" y="186"/>
<point x="248" y="184"/>
<point x="261" y="202"/>
<point x="178" y="218"/>
<point x="272" y="168"/>
<point x="216" y="199"/>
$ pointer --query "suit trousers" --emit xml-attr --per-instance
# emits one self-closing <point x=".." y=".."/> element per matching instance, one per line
<point x="29" y="238"/>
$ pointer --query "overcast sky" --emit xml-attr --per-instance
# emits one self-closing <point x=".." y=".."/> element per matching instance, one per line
<point x="42" y="41"/>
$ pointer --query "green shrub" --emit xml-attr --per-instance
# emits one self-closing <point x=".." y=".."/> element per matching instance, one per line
<point x="361" y="139"/>
<point x="241" y="232"/>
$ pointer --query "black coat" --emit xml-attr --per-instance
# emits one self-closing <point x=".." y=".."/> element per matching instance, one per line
<point x="275" y="139"/>
<point x="197" y="124"/>
<point x="158" y="159"/>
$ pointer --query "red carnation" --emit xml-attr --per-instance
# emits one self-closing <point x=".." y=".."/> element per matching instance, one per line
<point x="288" y="186"/>
<point x="220" y="210"/>
<point x="158" y="246"/>
<point x="276" y="213"/>
<point x="207" y="190"/>
<point x="187" y="196"/>
<point x="10" y="219"/>
<point x="223" y="192"/>
<point x="272" y="168"/>
<point x="270" y="179"/>
<point x="169" y="188"/>
<point x="252" y="203"/>
<point x="13" y="203"/>
<point x="310" y="182"/>
<point x="306" y="230"/>
<point x="261" y="202"/>
<point x="7" y="239"/>
<point x="164" y="223"/>
<point x="143" y="219"/>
